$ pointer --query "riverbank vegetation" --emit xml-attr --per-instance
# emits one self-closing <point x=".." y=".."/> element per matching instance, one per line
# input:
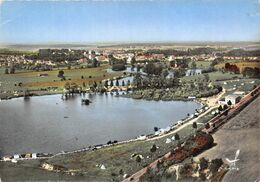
<point x="162" y="82"/>
<point x="118" y="160"/>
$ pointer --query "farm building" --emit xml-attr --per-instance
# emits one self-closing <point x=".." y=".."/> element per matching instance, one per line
<point x="234" y="98"/>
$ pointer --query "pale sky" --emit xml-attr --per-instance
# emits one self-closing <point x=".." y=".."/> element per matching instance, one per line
<point x="129" y="21"/>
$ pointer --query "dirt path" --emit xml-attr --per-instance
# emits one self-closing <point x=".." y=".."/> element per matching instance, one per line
<point x="213" y="99"/>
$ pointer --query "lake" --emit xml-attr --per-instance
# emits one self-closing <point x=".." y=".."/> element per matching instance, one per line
<point x="50" y="124"/>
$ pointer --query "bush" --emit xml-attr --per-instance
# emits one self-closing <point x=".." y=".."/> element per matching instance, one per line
<point x="225" y="107"/>
<point x="203" y="163"/>
<point x="61" y="74"/>
<point x="215" y="165"/>
<point x="220" y="108"/>
<point x="154" y="148"/>
<point x="118" y="67"/>
<point x="177" y="136"/>
<point x="207" y="126"/>
<point x="194" y="125"/>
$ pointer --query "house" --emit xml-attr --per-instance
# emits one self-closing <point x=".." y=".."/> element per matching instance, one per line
<point x="192" y="72"/>
<point x="16" y="156"/>
<point x="34" y="155"/>
<point x="234" y="98"/>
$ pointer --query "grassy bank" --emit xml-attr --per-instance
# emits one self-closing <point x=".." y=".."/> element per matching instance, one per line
<point x="114" y="158"/>
<point x="9" y="83"/>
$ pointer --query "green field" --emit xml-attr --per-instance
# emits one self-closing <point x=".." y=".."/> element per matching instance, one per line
<point x="32" y="80"/>
<point x="213" y="76"/>
<point x="201" y="64"/>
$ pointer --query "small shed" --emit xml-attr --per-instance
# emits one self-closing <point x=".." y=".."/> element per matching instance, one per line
<point x="34" y="155"/>
<point x="16" y="156"/>
<point x="234" y="98"/>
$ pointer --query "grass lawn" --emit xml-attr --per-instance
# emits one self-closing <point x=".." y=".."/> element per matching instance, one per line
<point x="114" y="158"/>
<point x="118" y="157"/>
<point x="31" y="79"/>
<point x="213" y="76"/>
<point x="245" y="85"/>
<point x="201" y="64"/>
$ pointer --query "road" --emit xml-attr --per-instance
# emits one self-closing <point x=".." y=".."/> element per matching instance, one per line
<point x="245" y="101"/>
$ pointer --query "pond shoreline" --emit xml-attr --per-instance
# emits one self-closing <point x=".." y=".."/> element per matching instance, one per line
<point x="149" y="136"/>
<point x="135" y="138"/>
<point x="8" y="96"/>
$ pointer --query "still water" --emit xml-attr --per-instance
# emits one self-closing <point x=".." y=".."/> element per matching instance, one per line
<point x="49" y="124"/>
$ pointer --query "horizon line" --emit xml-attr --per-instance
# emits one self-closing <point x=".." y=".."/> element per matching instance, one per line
<point x="123" y="42"/>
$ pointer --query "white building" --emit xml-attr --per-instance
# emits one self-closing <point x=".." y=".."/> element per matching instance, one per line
<point x="234" y="98"/>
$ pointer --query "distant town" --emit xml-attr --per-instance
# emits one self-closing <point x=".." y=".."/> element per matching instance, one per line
<point x="153" y="60"/>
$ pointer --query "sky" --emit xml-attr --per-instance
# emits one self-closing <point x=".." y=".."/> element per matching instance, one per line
<point x="102" y="21"/>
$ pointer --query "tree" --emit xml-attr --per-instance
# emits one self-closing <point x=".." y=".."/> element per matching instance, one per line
<point x="121" y="172"/>
<point x="155" y="129"/>
<point x="203" y="163"/>
<point x="118" y="67"/>
<point x="6" y="71"/>
<point x="207" y="126"/>
<point x="94" y="63"/>
<point x="215" y="165"/>
<point x="217" y="61"/>
<point x="220" y="108"/>
<point x="229" y="103"/>
<point x="128" y="83"/>
<point x="153" y="69"/>
<point x="193" y="65"/>
<point x="133" y="61"/>
<point x="153" y="148"/>
<point x="117" y="83"/>
<point x="138" y="159"/>
<point x="138" y="68"/>
<point x="194" y="125"/>
<point x="206" y="77"/>
<point x="106" y="83"/>
<point x="177" y="136"/>
<point x="61" y="74"/>
<point x="123" y="83"/>
<point x="71" y="87"/>
<point x="179" y="72"/>
<point x="12" y="70"/>
<point x="227" y="66"/>
<point x="251" y="72"/>
<point x="111" y="83"/>
<point x="95" y="84"/>
<point x="225" y="107"/>
<point x="165" y="73"/>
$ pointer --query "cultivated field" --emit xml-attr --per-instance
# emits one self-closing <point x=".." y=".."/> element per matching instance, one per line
<point x="32" y="80"/>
